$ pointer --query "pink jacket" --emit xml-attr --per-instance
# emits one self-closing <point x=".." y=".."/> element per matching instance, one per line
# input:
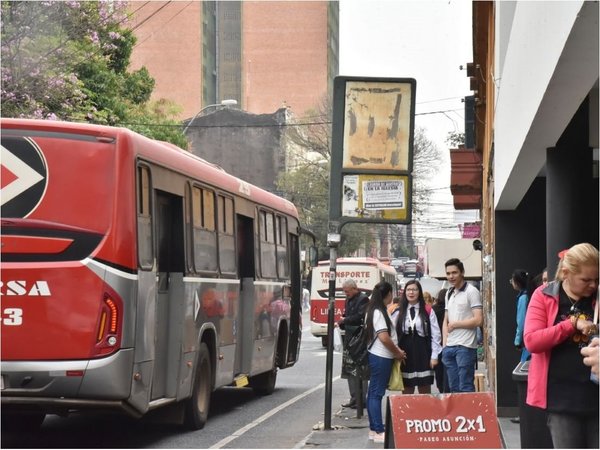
<point x="541" y="336"/>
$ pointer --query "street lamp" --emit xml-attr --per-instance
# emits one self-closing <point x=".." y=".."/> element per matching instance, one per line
<point x="225" y="103"/>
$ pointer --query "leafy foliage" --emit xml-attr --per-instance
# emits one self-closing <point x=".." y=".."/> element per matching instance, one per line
<point x="68" y="60"/>
<point x="307" y="183"/>
<point x="455" y="139"/>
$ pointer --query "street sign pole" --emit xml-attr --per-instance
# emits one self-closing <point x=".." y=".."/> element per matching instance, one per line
<point x="371" y="170"/>
<point x="333" y="240"/>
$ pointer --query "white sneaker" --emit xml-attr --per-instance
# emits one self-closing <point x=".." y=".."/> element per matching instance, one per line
<point x="371" y="434"/>
<point x="379" y="438"/>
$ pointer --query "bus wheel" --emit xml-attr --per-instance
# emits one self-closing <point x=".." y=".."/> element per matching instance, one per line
<point x="22" y="422"/>
<point x="196" y="407"/>
<point x="264" y="383"/>
<point x="324" y="341"/>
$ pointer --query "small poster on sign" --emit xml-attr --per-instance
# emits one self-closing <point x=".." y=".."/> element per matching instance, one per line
<point x="375" y="196"/>
<point x="466" y="420"/>
<point x="383" y="194"/>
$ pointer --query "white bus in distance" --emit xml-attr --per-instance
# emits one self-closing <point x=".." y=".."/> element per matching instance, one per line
<point x="367" y="272"/>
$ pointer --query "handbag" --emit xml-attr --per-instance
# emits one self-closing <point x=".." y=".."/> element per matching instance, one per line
<point x="396" y="383"/>
<point x="357" y="346"/>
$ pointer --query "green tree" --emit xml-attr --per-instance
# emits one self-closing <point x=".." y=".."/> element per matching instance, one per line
<point x="306" y="184"/>
<point x="455" y="139"/>
<point x="68" y="60"/>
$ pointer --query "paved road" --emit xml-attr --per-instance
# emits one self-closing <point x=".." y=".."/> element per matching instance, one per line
<point x="238" y="418"/>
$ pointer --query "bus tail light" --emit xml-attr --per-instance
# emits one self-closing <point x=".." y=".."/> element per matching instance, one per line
<point x="108" y="333"/>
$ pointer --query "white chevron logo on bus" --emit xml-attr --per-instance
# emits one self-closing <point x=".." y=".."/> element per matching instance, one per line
<point x="23" y="177"/>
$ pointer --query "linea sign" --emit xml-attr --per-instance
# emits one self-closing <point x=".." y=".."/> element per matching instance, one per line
<point x="466" y="420"/>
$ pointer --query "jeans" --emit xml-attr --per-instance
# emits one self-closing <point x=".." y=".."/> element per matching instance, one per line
<point x="570" y="431"/>
<point x="460" y="367"/>
<point x="380" y="368"/>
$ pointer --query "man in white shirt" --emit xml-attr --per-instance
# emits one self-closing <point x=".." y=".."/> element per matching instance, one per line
<point x="464" y="314"/>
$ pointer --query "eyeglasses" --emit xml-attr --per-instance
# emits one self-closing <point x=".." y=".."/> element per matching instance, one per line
<point x="412" y="290"/>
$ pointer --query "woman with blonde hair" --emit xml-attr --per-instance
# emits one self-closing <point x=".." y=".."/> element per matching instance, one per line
<point x="559" y="322"/>
<point x="428" y="298"/>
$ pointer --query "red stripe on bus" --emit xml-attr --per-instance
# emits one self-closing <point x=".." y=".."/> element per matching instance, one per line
<point x="34" y="244"/>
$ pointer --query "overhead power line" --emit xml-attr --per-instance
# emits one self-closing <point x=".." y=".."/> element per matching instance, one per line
<point x="274" y="125"/>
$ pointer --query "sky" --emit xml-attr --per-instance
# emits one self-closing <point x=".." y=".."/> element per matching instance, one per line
<point x="426" y="40"/>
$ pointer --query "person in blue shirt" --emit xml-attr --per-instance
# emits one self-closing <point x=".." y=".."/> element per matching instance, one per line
<point x="522" y="283"/>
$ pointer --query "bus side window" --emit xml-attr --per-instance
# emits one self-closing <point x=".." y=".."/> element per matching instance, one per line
<point x="144" y="218"/>
<point x="268" y="268"/>
<point x="227" y="253"/>
<point x="204" y="236"/>
<point x="282" y="248"/>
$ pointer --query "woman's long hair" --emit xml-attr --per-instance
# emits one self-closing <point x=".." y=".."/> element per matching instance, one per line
<point x="523" y="281"/>
<point x="380" y="292"/>
<point x="403" y="309"/>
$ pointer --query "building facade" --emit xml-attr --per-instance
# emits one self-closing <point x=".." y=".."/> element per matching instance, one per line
<point x="535" y="83"/>
<point x="264" y="55"/>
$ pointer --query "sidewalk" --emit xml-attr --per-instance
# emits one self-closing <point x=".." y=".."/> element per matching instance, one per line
<point x="349" y="432"/>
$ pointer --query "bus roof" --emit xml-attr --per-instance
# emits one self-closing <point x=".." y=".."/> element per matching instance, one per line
<point x="161" y="152"/>
<point x="367" y="261"/>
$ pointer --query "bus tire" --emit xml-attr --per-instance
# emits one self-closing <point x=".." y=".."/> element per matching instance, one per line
<point x="22" y="421"/>
<point x="264" y="383"/>
<point x="324" y="340"/>
<point x="196" y="407"/>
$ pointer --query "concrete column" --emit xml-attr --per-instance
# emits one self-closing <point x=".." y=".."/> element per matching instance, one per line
<point x="571" y="192"/>
<point x="520" y="244"/>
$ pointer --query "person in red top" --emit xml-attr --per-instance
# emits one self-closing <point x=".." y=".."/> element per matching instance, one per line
<point x="558" y="324"/>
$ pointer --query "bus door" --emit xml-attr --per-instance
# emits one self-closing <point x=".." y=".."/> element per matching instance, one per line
<point x="170" y="294"/>
<point x="245" y="331"/>
<point x="296" y="306"/>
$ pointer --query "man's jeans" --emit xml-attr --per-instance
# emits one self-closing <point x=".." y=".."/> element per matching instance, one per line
<point x="380" y="369"/>
<point x="460" y="367"/>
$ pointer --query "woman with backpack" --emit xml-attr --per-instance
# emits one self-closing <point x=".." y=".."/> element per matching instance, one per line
<point x="383" y="349"/>
<point x="419" y="334"/>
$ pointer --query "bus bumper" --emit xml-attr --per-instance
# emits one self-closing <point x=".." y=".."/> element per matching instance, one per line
<point x="318" y="329"/>
<point x="59" y="386"/>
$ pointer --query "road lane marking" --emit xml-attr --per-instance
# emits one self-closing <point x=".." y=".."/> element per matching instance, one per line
<point x="241" y="431"/>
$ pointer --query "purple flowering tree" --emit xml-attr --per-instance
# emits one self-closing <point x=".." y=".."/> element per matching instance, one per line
<point x="68" y="60"/>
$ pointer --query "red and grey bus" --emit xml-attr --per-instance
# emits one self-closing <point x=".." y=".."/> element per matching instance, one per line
<point x="136" y="275"/>
<point x="367" y="272"/>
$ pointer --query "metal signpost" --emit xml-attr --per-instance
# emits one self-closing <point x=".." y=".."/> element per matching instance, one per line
<point x="371" y="169"/>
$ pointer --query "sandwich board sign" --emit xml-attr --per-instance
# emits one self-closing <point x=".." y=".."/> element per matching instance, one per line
<point x="460" y="420"/>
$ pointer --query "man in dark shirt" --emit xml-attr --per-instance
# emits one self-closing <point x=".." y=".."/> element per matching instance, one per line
<point x="354" y="315"/>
